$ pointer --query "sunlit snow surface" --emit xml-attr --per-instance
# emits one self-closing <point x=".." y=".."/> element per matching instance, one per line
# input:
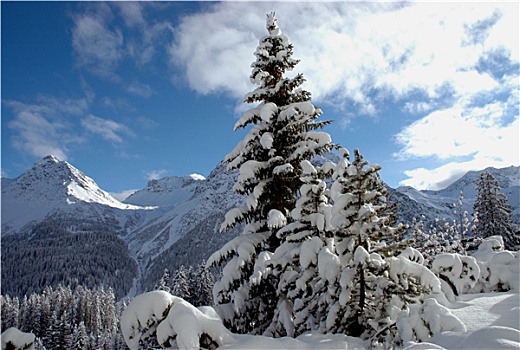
<point x="492" y="321"/>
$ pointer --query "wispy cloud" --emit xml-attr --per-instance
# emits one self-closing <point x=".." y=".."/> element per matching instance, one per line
<point x="156" y="174"/>
<point x="121" y="196"/>
<point x="146" y="123"/>
<point x="98" y="47"/>
<point x="42" y="128"/>
<point x="139" y="89"/>
<point x="107" y="129"/>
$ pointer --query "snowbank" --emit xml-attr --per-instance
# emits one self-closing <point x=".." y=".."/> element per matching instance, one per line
<point x="14" y="339"/>
<point x="479" y="321"/>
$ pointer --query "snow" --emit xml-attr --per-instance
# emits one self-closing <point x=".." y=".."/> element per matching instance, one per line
<point x="492" y="321"/>
<point x="19" y="339"/>
<point x="267" y="111"/>
<point x="275" y="219"/>
<point x="478" y="321"/>
<point x="170" y="317"/>
<point x="267" y="140"/>
<point x="142" y="315"/>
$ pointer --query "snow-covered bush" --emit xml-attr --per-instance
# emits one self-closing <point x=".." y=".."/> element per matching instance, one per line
<point x="420" y="322"/>
<point x="14" y="339"/>
<point x="458" y="273"/>
<point x="173" y="321"/>
<point x="141" y="317"/>
<point x="499" y="268"/>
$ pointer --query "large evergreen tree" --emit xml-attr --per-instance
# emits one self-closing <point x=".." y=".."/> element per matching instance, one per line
<point x="283" y="132"/>
<point x="494" y="213"/>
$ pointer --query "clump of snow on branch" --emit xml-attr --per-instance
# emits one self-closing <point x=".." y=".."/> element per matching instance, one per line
<point x="420" y="322"/>
<point x="171" y="319"/>
<point x="275" y="219"/>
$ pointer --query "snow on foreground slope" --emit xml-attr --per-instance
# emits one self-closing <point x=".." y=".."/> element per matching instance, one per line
<point x="492" y="321"/>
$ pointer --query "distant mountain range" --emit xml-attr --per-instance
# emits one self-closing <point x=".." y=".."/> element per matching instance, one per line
<point x="173" y="221"/>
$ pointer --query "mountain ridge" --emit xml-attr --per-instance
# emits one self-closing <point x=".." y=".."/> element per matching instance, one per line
<point x="175" y="220"/>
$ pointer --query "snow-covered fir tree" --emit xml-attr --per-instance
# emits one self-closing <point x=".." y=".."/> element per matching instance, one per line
<point x="283" y="132"/>
<point x="293" y="262"/>
<point x="494" y="213"/>
<point x="164" y="282"/>
<point x="180" y="284"/>
<point x="65" y="318"/>
<point x="361" y="230"/>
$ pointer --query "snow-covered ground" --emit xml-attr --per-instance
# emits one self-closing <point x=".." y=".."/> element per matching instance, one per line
<point x="492" y="321"/>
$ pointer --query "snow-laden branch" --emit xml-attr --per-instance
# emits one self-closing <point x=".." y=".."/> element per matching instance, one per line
<point x="170" y="319"/>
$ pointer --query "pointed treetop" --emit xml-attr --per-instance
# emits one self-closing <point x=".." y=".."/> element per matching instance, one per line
<point x="271" y="24"/>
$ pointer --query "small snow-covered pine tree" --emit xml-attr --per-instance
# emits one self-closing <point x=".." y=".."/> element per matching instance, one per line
<point x="283" y="132"/>
<point x="494" y="213"/>
<point x="180" y="284"/>
<point x="366" y="287"/>
<point x="164" y="282"/>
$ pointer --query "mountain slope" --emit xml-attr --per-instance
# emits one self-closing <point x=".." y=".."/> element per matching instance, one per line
<point x="439" y="204"/>
<point x="58" y="225"/>
<point x="173" y="221"/>
<point x="48" y="186"/>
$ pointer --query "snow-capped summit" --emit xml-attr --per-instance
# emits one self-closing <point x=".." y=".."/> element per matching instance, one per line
<point x="50" y="185"/>
<point x="170" y="190"/>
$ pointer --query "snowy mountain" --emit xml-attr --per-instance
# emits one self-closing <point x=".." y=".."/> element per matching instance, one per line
<point x="184" y="230"/>
<point x="51" y="185"/>
<point x="175" y="220"/>
<point x="439" y="204"/>
<point x="165" y="192"/>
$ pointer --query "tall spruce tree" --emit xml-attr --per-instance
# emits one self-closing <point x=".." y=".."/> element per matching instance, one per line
<point x="494" y="213"/>
<point x="283" y="132"/>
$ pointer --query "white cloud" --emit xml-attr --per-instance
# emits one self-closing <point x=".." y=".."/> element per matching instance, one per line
<point x="139" y="89"/>
<point x="348" y="51"/>
<point x="97" y="47"/>
<point x="481" y="136"/>
<point x="107" y="129"/>
<point x="42" y="128"/>
<point x="195" y="176"/>
<point x="121" y="196"/>
<point x="156" y="174"/>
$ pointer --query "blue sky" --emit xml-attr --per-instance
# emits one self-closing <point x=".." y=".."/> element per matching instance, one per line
<point x="130" y="91"/>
